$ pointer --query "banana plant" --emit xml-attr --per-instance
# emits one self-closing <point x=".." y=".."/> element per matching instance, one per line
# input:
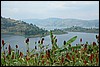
<point x="63" y="48"/>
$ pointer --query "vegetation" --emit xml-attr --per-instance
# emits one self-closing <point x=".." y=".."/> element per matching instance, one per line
<point x="67" y="55"/>
<point x="18" y="27"/>
<point x="58" y="31"/>
<point x="11" y="26"/>
<point x="80" y="29"/>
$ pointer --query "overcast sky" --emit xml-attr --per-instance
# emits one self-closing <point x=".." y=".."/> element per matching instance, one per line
<point x="47" y="9"/>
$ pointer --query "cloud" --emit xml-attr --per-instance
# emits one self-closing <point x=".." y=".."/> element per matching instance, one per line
<point x="55" y="4"/>
<point x="46" y="9"/>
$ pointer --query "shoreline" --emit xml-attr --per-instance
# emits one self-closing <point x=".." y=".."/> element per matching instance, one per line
<point x="35" y="36"/>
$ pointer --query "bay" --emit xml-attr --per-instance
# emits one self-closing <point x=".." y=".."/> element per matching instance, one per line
<point x="20" y="40"/>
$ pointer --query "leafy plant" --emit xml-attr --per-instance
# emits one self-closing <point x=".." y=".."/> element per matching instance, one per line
<point x="67" y="55"/>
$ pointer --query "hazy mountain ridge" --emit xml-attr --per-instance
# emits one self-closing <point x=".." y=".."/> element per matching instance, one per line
<point x="58" y="22"/>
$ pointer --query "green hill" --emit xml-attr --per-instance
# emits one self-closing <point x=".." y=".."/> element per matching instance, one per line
<point x="80" y="29"/>
<point x="18" y="27"/>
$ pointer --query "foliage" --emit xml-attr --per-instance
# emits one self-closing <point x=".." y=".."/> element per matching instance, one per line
<point x="80" y="29"/>
<point x="17" y="27"/>
<point x="67" y="55"/>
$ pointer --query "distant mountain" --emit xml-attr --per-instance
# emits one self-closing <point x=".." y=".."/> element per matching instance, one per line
<point x="63" y="23"/>
<point x="18" y="27"/>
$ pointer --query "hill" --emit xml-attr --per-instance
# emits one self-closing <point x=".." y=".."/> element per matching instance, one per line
<point x="80" y="29"/>
<point x="63" y="23"/>
<point x="18" y="27"/>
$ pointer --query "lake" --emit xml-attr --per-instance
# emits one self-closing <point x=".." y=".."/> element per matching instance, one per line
<point x="20" y="40"/>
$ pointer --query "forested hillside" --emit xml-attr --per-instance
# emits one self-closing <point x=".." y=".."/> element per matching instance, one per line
<point x="18" y="27"/>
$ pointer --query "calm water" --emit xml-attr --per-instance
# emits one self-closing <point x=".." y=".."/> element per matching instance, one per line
<point x="20" y="40"/>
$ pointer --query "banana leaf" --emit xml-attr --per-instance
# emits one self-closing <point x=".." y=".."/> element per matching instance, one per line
<point x="76" y="47"/>
<point x="71" y="40"/>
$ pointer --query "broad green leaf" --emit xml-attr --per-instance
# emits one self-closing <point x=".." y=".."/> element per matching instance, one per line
<point x="59" y="50"/>
<point x="2" y="60"/>
<point x="76" y="47"/>
<point x="51" y="60"/>
<point x="50" y="33"/>
<point x="55" y="45"/>
<point x="54" y="37"/>
<point x="32" y="51"/>
<point x="63" y="50"/>
<point x="71" y="40"/>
